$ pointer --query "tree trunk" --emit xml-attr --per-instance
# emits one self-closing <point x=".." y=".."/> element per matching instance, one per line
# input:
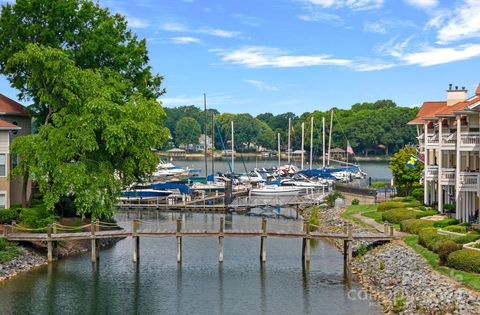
<point x="26" y="200"/>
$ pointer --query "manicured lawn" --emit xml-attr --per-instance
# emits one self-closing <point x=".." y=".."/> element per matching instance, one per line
<point x="347" y="214"/>
<point x="377" y="216"/>
<point x="470" y="279"/>
<point x="8" y="251"/>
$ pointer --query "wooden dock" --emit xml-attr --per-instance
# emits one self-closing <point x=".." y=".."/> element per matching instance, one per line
<point x="15" y="232"/>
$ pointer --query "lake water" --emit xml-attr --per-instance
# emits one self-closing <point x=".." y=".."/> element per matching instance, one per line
<point x="200" y="285"/>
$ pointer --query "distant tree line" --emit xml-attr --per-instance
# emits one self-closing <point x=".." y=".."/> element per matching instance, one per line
<point x="379" y="127"/>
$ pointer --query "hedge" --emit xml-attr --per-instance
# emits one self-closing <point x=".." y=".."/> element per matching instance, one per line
<point x="8" y="215"/>
<point x="430" y="239"/>
<point x="465" y="259"/>
<point x="388" y="205"/>
<point x="426" y="213"/>
<point x="398" y="215"/>
<point x="414" y="225"/>
<point x="456" y="228"/>
<point x="413" y="204"/>
<point x="470" y="237"/>
<point x="445" y="222"/>
<point x="408" y="199"/>
<point x="445" y="249"/>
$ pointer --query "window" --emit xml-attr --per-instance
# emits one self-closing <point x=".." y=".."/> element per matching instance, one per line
<point x="3" y="165"/>
<point x="2" y="200"/>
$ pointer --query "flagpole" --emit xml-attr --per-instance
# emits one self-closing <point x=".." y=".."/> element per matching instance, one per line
<point x="303" y="141"/>
<point x="330" y="137"/>
<point x="289" y="144"/>
<point x="311" y="142"/>
<point x="279" y="152"/>
<point x="323" y="142"/>
<point x="233" y="150"/>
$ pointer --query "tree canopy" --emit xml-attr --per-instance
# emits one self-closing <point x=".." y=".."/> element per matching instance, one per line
<point x="404" y="177"/>
<point x="87" y="34"/>
<point x="187" y="131"/>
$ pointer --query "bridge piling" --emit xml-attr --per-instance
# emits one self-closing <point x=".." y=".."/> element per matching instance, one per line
<point x="306" y="252"/>
<point x="49" y="244"/>
<point x="93" y="242"/>
<point x="221" y="240"/>
<point x="263" y="239"/>
<point x="347" y="245"/>
<point x="179" y="240"/>
<point x="136" y="241"/>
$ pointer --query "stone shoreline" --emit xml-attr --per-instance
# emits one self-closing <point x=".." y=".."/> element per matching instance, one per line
<point x="36" y="257"/>
<point x="394" y="272"/>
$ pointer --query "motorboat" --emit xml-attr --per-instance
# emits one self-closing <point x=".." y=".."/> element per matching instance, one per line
<point x="144" y="194"/>
<point x="275" y="191"/>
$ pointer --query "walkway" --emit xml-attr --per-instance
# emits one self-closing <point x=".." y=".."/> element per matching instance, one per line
<point x="377" y="226"/>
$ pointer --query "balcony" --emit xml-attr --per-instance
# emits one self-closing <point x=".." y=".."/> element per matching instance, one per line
<point x="449" y="141"/>
<point x="448" y="176"/>
<point x="469" y="181"/>
<point x="470" y="141"/>
<point x="432" y="141"/>
<point x="432" y="172"/>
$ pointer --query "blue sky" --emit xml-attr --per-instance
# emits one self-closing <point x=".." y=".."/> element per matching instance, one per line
<point x="302" y="55"/>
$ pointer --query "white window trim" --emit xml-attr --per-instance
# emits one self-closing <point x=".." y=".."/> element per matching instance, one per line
<point x="7" y="203"/>
<point x="6" y="165"/>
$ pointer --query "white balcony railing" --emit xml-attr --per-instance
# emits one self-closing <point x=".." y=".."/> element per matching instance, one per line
<point x="469" y="181"/>
<point x="432" y="172"/>
<point x="470" y="140"/>
<point x="448" y="176"/>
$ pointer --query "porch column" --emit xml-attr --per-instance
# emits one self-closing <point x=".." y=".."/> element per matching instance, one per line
<point x="439" y="162"/>
<point x="457" y="169"/>
<point x="425" y="169"/>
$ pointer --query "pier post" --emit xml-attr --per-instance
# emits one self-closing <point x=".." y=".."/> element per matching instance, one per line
<point x="385" y="228"/>
<point x="391" y="230"/>
<point x="221" y="239"/>
<point x="306" y="243"/>
<point x="97" y="248"/>
<point x="347" y="245"/>
<point x="93" y="242"/>
<point x="49" y="244"/>
<point x="263" y="249"/>
<point x="179" y="240"/>
<point x="136" y="241"/>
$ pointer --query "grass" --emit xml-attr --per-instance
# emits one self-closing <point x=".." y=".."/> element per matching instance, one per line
<point x="354" y="209"/>
<point x="470" y="279"/>
<point x="377" y="216"/>
<point x="8" y="251"/>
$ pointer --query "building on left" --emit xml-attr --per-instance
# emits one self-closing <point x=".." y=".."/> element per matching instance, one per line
<point x="15" y="121"/>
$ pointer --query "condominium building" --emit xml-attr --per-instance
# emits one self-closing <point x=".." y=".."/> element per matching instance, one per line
<point x="449" y="140"/>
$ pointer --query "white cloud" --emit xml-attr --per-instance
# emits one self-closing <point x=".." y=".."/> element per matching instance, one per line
<point x="319" y="16"/>
<point x="422" y="4"/>
<point x="384" y="25"/>
<point x="134" y="22"/>
<point x="268" y="57"/>
<point x="351" y="4"/>
<point x="375" y="27"/>
<point x="182" y="28"/>
<point x="262" y="86"/>
<point x="185" y="40"/>
<point x="261" y="57"/>
<point x="463" y="23"/>
<point x="434" y="56"/>
<point x="248" y="20"/>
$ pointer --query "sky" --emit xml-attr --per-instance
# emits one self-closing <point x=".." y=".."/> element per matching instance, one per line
<point x="277" y="56"/>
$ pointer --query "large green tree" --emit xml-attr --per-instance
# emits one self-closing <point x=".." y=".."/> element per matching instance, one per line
<point x="89" y="35"/>
<point x="99" y="136"/>
<point x="403" y="176"/>
<point x="187" y="131"/>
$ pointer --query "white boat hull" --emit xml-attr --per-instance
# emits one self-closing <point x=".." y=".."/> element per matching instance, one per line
<point x="280" y="191"/>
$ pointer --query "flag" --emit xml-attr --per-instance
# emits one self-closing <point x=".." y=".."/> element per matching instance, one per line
<point x="411" y="161"/>
<point x="349" y="148"/>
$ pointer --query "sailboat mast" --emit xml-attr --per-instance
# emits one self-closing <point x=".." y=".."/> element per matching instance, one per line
<point x="303" y="142"/>
<point x="213" y="145"/>
<point x="330" y="136"/>
<point x="323" y="142"/>
<point x="233" y="150"/>
<point x="278" y="139"/>
<point x="289" y="144"/>
<point x="205" y="132"/>
<point x="311" y="142"/>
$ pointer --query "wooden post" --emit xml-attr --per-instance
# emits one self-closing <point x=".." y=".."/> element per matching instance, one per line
<point x="93" y="242"/>
<point x="14" y="226"/>
<point x="97" y="229"/>
<point x="391" y="230"/>
<point x="179" y="240"/>
<point x="49" y="244"/>
<point x="221" y="239"/>
<point x="385" y="228"/>
<point x="263" y="249"/>
<point x="136" y="241"/>
<point x="306" y="243"/>
<point x="347" y="245"/>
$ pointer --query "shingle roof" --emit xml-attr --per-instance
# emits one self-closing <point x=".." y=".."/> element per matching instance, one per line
<point x="9" y="106"/>
<point x="428" y="109"/>
<point x="6" y="125"/>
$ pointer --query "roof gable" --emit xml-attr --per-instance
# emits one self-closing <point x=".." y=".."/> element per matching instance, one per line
<point x="10" y="107"/>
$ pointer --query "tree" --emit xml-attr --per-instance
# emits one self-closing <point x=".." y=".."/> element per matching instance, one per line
<point x="403" y="176"/>
<point x="89" y="35"/>
<point x="99" y="136"/>
<point x="266" y="137"/>
<point x="187" y="131"/>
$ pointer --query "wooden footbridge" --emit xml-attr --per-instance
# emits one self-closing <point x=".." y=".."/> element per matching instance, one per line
<point x="103" y="230"/>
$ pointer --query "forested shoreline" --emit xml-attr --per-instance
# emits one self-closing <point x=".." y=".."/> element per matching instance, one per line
<point x="379" y="127"/>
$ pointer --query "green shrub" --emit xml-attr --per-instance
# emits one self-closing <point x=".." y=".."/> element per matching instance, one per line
<point x="414" y="225"/>
<point x="468" y="238"/>
<point x="8" y="215"/>
<point x="3" y="244"/>
<point x="355" y="202"/>
<point x="445" y="222"/>
<point x="408" y="199"/>
<point x="456" y="228"/>
<point x="413" y="204"/>
<point x="446" y="248"/>
<point x="465" y="259"/>
<point x="332" y="197"/>
<point x="426" y="213"/>
<point x="399" y="303"/>
<point x="422" y="208"/>
<point x="36" y="217"/>
<point x="380" y="184"/>
<point x="362" y="250"/>
<point x="449" y="208"/>
<point x="430" y="239"/>
<point x="398" y="215"/>
<point x="388" y="205"/>
<point x="417" y="193"/>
